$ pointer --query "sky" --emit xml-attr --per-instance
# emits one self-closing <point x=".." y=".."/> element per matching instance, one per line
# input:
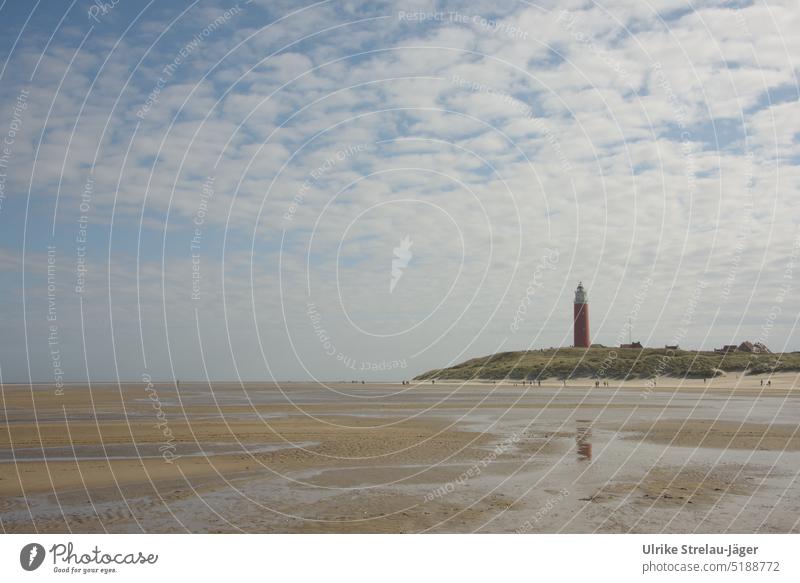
<point x="281" y="190"/>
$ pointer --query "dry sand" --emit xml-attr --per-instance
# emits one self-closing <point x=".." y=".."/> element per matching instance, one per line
<point x="675" y="457"/>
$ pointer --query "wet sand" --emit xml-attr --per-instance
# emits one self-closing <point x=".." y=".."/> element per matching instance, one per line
<point x="681" y="456"/>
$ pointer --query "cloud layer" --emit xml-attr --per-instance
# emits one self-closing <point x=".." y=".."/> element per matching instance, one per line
<point x="229" y="183"/>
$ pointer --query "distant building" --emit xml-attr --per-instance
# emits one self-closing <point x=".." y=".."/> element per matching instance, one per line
<point x="727" y="348"/>
<point x="632" y="345"/>
<point x="670" y="347"/>
<point x="746" y="346"/>
<point x="757" y="347"/>
<point x="580" y="314"/>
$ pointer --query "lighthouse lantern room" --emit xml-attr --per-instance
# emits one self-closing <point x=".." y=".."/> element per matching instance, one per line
<point x="581" y="317"/>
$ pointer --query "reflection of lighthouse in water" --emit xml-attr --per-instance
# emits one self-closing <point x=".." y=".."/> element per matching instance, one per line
<point x="580" y="312"/>
<point x="583" y="436"/>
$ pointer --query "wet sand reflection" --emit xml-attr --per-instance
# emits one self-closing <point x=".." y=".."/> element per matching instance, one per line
<point x="583" y="436"/>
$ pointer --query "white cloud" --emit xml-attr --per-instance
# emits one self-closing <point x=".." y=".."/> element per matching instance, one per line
<point x="591" y="133"/>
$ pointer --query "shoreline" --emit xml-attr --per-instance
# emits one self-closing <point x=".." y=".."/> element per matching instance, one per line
<point x="724" y="378"/>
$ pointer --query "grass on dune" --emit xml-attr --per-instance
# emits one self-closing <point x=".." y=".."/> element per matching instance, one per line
<point x="615" y="363"/>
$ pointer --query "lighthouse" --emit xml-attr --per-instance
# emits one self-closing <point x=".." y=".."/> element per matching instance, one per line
<point x="580" y="311"/>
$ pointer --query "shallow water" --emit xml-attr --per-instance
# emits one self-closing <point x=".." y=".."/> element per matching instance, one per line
<point x="557" y="460"/>
<point x="138" y="452"/>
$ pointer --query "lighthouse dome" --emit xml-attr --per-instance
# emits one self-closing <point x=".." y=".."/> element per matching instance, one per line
<point x="581" y="297"/>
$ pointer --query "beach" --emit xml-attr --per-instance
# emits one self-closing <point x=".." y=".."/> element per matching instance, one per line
<point x="636" y="456"/>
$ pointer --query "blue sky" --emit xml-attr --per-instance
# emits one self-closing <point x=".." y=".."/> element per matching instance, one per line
<point x="232" y="164"/>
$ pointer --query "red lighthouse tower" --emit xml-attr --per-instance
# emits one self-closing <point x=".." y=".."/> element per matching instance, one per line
<point x="581" y="317"/>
